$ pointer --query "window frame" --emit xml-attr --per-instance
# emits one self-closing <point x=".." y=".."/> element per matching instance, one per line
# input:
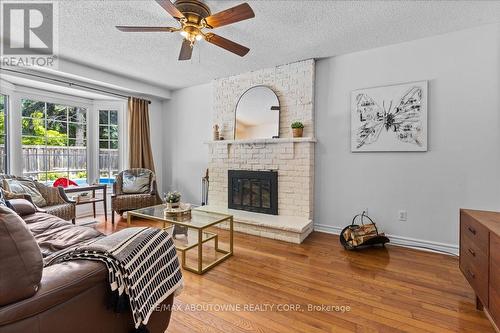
<point x="20" y="93"/>
<point x="66" y="104"/>
<point x="6" y="106"/>
<point x="107" y="125"/>
<point x="17" y="93"/>
<point x="120" y="107"/>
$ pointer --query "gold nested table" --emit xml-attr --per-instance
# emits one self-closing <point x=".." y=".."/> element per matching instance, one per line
<point x="193" y="230"/>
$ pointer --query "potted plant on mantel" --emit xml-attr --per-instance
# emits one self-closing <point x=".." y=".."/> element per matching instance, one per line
<point x="297" y="129"/>
<point x="173" y="199"/>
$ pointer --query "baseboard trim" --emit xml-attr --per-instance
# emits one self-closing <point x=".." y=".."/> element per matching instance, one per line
<point x="414" y="243"/>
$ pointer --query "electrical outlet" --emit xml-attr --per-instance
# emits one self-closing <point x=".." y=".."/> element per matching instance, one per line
<point x="403" y="215"/>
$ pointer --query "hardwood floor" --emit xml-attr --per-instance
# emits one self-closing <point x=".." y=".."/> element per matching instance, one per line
<point x="390" y="289"/>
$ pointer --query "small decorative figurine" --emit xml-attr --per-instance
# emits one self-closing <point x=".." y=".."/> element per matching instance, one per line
<point x="216" y="133"/>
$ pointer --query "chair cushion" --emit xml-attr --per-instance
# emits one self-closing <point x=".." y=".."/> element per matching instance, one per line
<point x="136" y="182"/>
<point x="126" y="202"/>
<point x="25" y="186"/>
<point x="21" y="262"/>
<point x="66" y="211"/>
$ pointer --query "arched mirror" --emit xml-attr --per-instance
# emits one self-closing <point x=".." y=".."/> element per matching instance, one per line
<point x="257" y="114"/>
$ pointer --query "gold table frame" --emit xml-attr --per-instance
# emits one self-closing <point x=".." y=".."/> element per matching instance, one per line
<point x="203" y="237"/>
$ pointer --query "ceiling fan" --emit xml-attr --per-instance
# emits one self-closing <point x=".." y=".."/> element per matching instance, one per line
<point x="194" y="16"/>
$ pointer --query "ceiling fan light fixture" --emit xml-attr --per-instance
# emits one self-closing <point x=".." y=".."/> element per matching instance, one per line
<point x="192" y="37"/>
<point x="193" y="17"/>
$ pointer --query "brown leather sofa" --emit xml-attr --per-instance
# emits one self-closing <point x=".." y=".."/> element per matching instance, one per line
<point x="68" y="297"/>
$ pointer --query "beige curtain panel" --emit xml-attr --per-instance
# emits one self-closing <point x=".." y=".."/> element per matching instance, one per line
<point x="140" y="154"/>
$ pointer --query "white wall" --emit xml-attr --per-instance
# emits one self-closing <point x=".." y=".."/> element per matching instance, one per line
<point x="188" y="118"/>
<point x="462" y="166"/>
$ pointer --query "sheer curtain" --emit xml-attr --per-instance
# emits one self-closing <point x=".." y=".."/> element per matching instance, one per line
<point x="140" y="154"/>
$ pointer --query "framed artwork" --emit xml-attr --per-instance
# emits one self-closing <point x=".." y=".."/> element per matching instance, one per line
<point x="389" y="118"/>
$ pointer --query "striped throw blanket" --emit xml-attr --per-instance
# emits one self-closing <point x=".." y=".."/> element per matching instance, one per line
<point x="142" y="264"/>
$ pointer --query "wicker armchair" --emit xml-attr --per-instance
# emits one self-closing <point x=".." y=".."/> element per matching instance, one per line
<point x="122" y="202"/>
<point x="58" y="203"/>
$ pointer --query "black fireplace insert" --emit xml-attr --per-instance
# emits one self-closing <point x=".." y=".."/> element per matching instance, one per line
<point x="254" y="191"/>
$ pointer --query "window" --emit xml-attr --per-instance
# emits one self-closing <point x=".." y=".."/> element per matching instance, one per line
<point x="108" y="146"/>
<point x="3" y="133"/>
<point x="54" y="141"/>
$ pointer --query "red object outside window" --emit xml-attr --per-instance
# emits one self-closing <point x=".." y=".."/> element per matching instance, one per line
<point x="64" y="182"/>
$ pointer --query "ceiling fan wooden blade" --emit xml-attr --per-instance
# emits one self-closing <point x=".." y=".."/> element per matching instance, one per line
<point x="186" y="50"/>
<point x="231" y="15"/>
<point x="145" y="29"/>
<point x="171" y="9"/>
<point x="227" y="44"/>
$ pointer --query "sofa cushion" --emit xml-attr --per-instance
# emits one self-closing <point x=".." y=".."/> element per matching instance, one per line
<point x="54" y="234"/>
<point x="22" y="207"/>
<point x="21" y="262"/>
<point x="25" y="186"/>
<point x="136" y="182"/>
<point x="60" y="283"/>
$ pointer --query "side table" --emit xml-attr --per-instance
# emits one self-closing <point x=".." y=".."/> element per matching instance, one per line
<point x="93" y="199"/>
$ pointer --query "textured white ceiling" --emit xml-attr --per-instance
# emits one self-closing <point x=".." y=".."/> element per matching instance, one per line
<point x="281" y="32"/>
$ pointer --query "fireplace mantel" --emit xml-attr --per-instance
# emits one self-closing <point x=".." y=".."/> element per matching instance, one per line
<point x="260" y="141"/>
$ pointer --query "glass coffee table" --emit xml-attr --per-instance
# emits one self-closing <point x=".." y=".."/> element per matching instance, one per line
<point x="192" y="231"/>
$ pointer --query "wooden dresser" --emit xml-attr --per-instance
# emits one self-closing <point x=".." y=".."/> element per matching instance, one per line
<point x="480" y="258"/>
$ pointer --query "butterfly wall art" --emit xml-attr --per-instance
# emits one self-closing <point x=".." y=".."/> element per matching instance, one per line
<point x="389" y="118"/>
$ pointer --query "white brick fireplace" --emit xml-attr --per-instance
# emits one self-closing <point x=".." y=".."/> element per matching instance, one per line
<point x="292" y="158"/>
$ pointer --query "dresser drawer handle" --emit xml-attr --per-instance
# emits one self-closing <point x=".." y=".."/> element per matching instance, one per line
<point x="472" y="275"/>
<point x="472" y="230"/>
<point x="471" y="251"/>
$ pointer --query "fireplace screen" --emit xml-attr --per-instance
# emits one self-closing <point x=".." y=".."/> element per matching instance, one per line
<point x="254" y="191"/>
